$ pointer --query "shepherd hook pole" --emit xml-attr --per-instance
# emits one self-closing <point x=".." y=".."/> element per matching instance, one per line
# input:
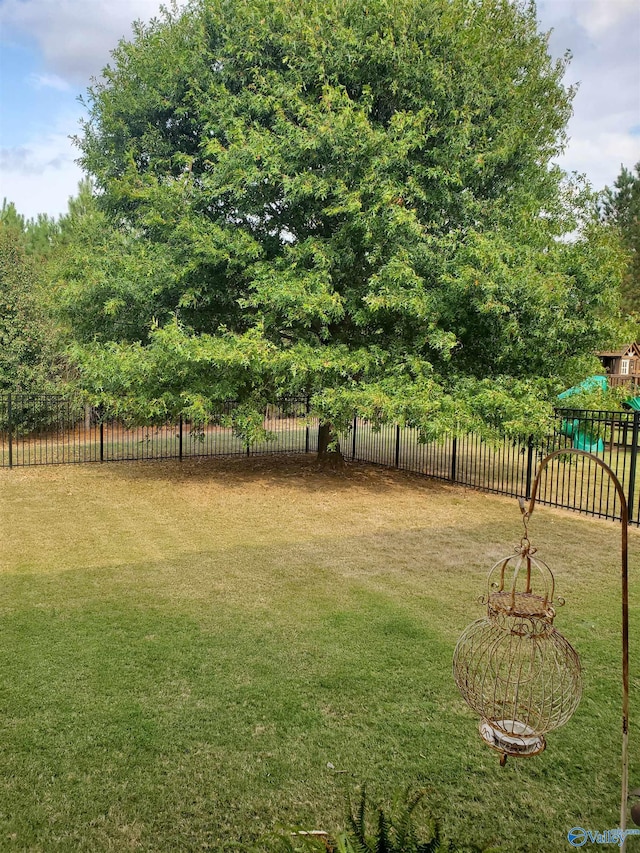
<point x="624" y="517"/>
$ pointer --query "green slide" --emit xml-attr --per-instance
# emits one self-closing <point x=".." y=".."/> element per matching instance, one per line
<point x="591" y="383"/>
<point x="632" y="403"/>
<point x="582" y="440"/>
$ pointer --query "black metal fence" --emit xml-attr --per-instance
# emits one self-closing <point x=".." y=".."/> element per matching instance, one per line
<point x="508" y="466"/>
<point x="46" y="429"/>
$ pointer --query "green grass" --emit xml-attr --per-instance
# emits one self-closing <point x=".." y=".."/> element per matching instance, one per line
<point x="193" y="655"/>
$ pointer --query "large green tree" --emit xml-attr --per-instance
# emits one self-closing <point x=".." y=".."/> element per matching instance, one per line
<point x="344" y="199"/>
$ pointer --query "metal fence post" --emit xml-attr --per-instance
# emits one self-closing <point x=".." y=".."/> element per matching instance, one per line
<point x="10" y="428"/>
<point x="397" y="445"/>
<point x="527" y="488"/>
<point x="353" y="442"/>
<point x="306" y="432"/>
<point x="180" y="440"/>
<point x="101" y="439"/>
<point x="632" y="466"/>
<point x="454" y="458"/>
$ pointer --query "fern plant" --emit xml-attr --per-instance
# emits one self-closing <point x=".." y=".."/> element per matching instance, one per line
<point x="394" y="832"/>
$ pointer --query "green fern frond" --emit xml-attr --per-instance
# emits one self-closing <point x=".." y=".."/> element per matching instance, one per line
<point x="357" y="824"/>
<point x="383" y="841"/>
<point x="362" y="813"/>
<point x="436" y="844"/>
<point x="342" y="844"/>
<point x="406" y="838"/>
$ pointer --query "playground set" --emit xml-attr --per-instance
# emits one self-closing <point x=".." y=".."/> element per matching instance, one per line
<point x="581" y="439"/>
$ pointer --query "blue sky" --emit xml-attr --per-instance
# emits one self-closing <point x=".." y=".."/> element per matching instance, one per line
<point x="49" y="50"/>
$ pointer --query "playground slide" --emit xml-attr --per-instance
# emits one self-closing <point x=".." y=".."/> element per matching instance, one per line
<point x="632" y="403"/>
<point x="591" y="383"/>
<point x="583" y="440"/>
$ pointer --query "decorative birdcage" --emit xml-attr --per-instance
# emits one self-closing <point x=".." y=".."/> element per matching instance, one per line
<point x="513" y="667"/>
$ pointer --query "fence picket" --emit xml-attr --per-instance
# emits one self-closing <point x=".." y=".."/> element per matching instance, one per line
<point x="632" y="467"/>
<point x="530" y="471"/>
<point x="10" y="430"/>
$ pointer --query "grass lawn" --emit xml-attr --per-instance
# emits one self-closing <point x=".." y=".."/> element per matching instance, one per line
<point x="192" y="655"/>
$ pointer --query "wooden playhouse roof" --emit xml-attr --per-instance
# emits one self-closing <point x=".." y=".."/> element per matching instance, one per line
<point x="631" y="350"/>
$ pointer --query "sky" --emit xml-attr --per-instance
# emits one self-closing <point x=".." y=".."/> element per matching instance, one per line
<point x="50" y="49"/>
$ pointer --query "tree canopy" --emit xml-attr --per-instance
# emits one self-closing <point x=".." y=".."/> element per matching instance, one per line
<point x="342" y="199"/>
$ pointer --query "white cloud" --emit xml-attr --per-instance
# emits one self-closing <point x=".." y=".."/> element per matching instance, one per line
<point x="40" y="175"/>
<point x="599" y="15"/>
<point x="600" y="155"/>
<point x="75" y="36"/>
<point x="49" y="81"/>
<point x="594" y="16"/>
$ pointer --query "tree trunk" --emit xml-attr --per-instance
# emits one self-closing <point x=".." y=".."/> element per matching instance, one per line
<point x="329" y="458"/>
